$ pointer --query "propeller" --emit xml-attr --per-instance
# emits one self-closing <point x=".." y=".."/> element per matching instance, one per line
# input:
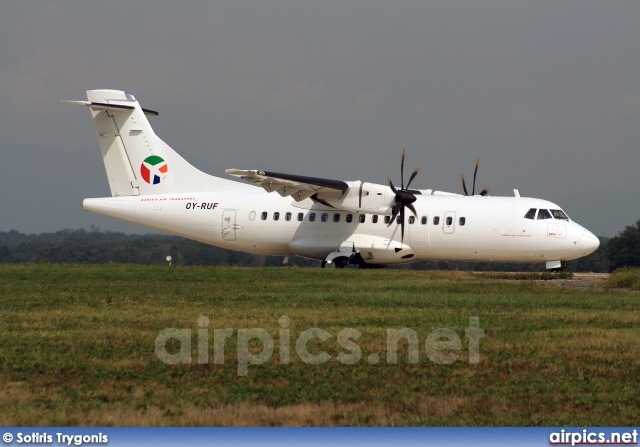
<point x="404" y="199"/>
<point x="484" y="192"/>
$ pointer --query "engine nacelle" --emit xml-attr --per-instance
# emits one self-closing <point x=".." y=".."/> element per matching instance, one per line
<point x="362" y="197"/>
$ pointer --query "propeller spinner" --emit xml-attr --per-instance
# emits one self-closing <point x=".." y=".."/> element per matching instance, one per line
<point x="403" y="197"/>
<point x="484" y="192"/>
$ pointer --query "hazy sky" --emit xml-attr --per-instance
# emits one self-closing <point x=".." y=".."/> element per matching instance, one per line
<point x="545" y="93"/>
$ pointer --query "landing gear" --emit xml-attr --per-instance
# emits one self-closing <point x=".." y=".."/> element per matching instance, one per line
<point x="556" y="266"/>
<point x="362" y="265"/>
<point x="340" y="261"/>
<point x="336" y="263"/>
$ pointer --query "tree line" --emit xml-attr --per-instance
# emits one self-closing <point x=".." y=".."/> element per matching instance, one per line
<point x="100" y="247"/>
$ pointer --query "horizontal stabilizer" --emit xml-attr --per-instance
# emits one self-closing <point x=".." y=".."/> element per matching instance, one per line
<point x="110" y="107"/>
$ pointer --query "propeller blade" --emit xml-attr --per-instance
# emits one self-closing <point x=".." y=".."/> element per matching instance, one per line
<point x="396" y="210"/>
<point x="412" y="177"/>
<point x="464" y="186"/>
<point x="402" y="170"/>
<point x="395" y="191"/>
<point x="402" y="225"/>
<point x="474" y="178"/>
<point x="360" y="195"/>
<point x="404" y="198"/>
<point x="485" y="192"/>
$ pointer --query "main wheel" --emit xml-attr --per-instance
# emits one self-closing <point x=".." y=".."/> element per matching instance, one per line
<point x="337" y="263"/>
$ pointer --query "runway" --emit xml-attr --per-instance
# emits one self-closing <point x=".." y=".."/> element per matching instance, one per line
<point x="584" y="280"/>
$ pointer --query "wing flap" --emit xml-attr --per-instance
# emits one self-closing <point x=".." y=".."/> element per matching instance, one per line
<point x="299" y="187"/>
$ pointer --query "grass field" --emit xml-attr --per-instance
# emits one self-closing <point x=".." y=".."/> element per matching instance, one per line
<point x="77" y="347"/>
<point x="625" y="278"/>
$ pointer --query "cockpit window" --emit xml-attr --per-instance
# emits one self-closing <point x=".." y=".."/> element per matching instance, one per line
<point x="559" y="214"/>
<point x="531" y="214"/>
<point x="544" y="214"/>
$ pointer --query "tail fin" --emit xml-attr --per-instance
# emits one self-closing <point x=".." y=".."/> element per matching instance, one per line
<point x="136" y="160"/>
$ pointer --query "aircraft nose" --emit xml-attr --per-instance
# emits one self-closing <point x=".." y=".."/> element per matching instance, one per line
<point x="589" y="242"/>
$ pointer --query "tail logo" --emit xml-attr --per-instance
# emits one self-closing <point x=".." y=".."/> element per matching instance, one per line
<point x="154" y="169"/>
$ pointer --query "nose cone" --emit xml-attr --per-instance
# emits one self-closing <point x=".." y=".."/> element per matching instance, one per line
<point x="588" y="242"/>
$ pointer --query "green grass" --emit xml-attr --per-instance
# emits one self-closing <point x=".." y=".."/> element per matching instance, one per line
<point x="624" y="278"/>
<point x="77" y="348"/>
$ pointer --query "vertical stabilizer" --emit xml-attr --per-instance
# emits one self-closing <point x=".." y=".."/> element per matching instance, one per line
<point x="136" y="160"/>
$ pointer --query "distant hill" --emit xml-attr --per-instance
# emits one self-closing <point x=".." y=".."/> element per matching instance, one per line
<point x="13" y="237"/>
<point x="96" y="247"/>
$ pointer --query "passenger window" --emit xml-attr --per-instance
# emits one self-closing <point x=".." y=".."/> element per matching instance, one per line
<point x="312" y="217"/>
<point x="300" y="217"/>
<point x="374" y="219"/>
<point x="362" y="218"/>
<point x="412" y="220"/>
<point x="263" y="216"/>
<point x="349" y="218"/>
<point x="324" y="217"/>
<point x="387" y="219"/>
<point x="398" y="219"/>
<point x="436" y="220"/>
<point x="531" y="214"/>
<point x="559" y="214"/>
<point x="276" y="216"/>
<point x="252" y="215"/>
<point x="336" y="217"/>
<point x="287" y="217"/>
<point x="423" y="220"/>
<point x="462" y="221"/>
<point x="449" y="220"/>
<point x="543" y="214"/>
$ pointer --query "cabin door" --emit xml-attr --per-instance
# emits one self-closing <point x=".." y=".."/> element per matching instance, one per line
<point x="449" y="222"/>
<point x="229" y="225"/>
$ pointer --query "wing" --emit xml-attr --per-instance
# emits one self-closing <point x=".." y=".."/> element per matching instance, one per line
<point x="299" y="187"/>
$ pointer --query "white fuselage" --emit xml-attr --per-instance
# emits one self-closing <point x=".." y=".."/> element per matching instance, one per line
<point x="463" y="228"/>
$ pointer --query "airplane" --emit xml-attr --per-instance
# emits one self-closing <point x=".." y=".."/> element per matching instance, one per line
<point x="334" y="221"/>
